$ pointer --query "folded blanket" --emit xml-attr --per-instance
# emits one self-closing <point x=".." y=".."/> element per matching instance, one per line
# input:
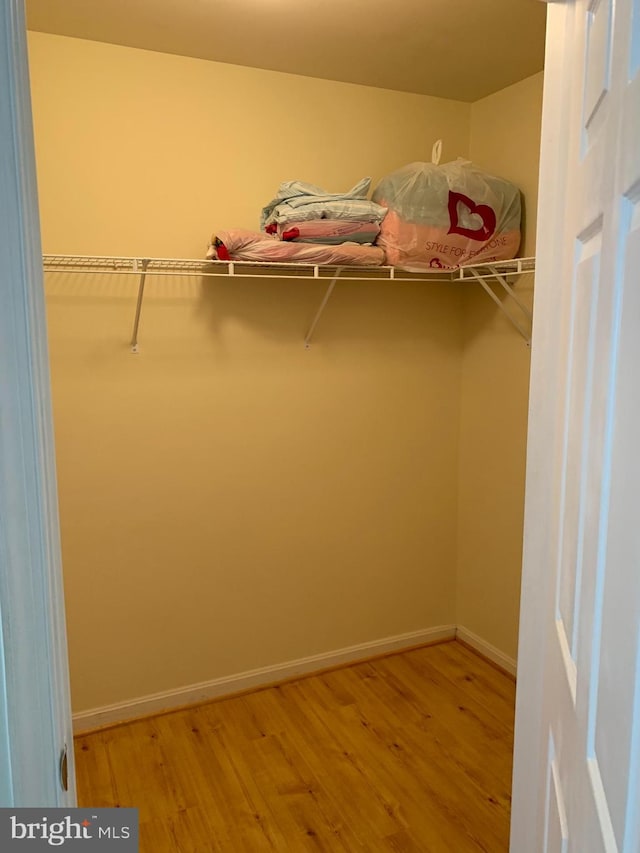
<point x="240" y="245"/>
<point x="328" y="231"/>
<point x="299" y="201"/>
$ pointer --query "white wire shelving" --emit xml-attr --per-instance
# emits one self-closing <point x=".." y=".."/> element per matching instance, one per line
<point x="501" y="272"/>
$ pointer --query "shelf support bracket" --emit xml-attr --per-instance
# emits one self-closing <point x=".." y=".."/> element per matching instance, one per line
<point x="512" y="293"/>
<point x="136" y="322"/>
<point x="523" y="332"/>
<point x="323" y="305"/>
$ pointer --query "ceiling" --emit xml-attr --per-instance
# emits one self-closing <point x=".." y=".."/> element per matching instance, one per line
<point x="461" y="49"/>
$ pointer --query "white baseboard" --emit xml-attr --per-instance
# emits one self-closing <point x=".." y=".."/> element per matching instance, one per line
<point x="486" y="649"/>
<point x="156" y="702"/>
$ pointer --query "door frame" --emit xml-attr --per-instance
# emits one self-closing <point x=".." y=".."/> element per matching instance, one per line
<point x="35" y="708"/>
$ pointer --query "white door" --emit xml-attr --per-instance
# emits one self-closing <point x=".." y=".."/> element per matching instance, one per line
<point x="577" y="758"/>
<point x="35" y="719"/>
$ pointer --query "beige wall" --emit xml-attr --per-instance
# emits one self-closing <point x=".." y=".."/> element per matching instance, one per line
<point x="228" y="499"/>
<point x="147" y="153"/>
<point x="505" y="137"/>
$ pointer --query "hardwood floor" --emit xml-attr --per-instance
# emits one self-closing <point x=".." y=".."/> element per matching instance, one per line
<point x="410" y="752"/>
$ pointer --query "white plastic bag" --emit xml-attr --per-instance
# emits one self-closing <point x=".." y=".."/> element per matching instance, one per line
<point x="447" y="216"/>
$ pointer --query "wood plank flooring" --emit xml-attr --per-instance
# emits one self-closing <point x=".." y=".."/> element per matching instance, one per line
<point x="409" y="753"/>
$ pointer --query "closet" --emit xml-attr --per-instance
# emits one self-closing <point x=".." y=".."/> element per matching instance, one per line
<point x="237" y="506"/>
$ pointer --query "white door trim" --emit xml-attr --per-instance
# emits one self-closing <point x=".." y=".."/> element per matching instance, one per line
<point x="35" y="717"/>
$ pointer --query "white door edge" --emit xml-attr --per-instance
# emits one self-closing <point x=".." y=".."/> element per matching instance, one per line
<point x="35" y="718"/>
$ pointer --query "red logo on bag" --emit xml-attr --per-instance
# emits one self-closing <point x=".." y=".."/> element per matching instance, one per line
<point x="486" y="213"/>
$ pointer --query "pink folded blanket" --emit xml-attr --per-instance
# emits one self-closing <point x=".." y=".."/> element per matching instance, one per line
<point x="240" y="245"/>
<point x="328" y="231"/>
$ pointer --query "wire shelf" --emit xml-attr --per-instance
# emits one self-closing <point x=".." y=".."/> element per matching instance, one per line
<point x="497" y="271"/>
<point x="248" y="269"/>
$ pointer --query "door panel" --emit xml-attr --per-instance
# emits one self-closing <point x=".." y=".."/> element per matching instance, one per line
<point x="634" y="64"/>
<point x="583" y="322"/>
<point x="618" y="665"/>
<point x="598" y="57"/>
<point x="556" y="834"/>
<point x="582" y="529"/>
